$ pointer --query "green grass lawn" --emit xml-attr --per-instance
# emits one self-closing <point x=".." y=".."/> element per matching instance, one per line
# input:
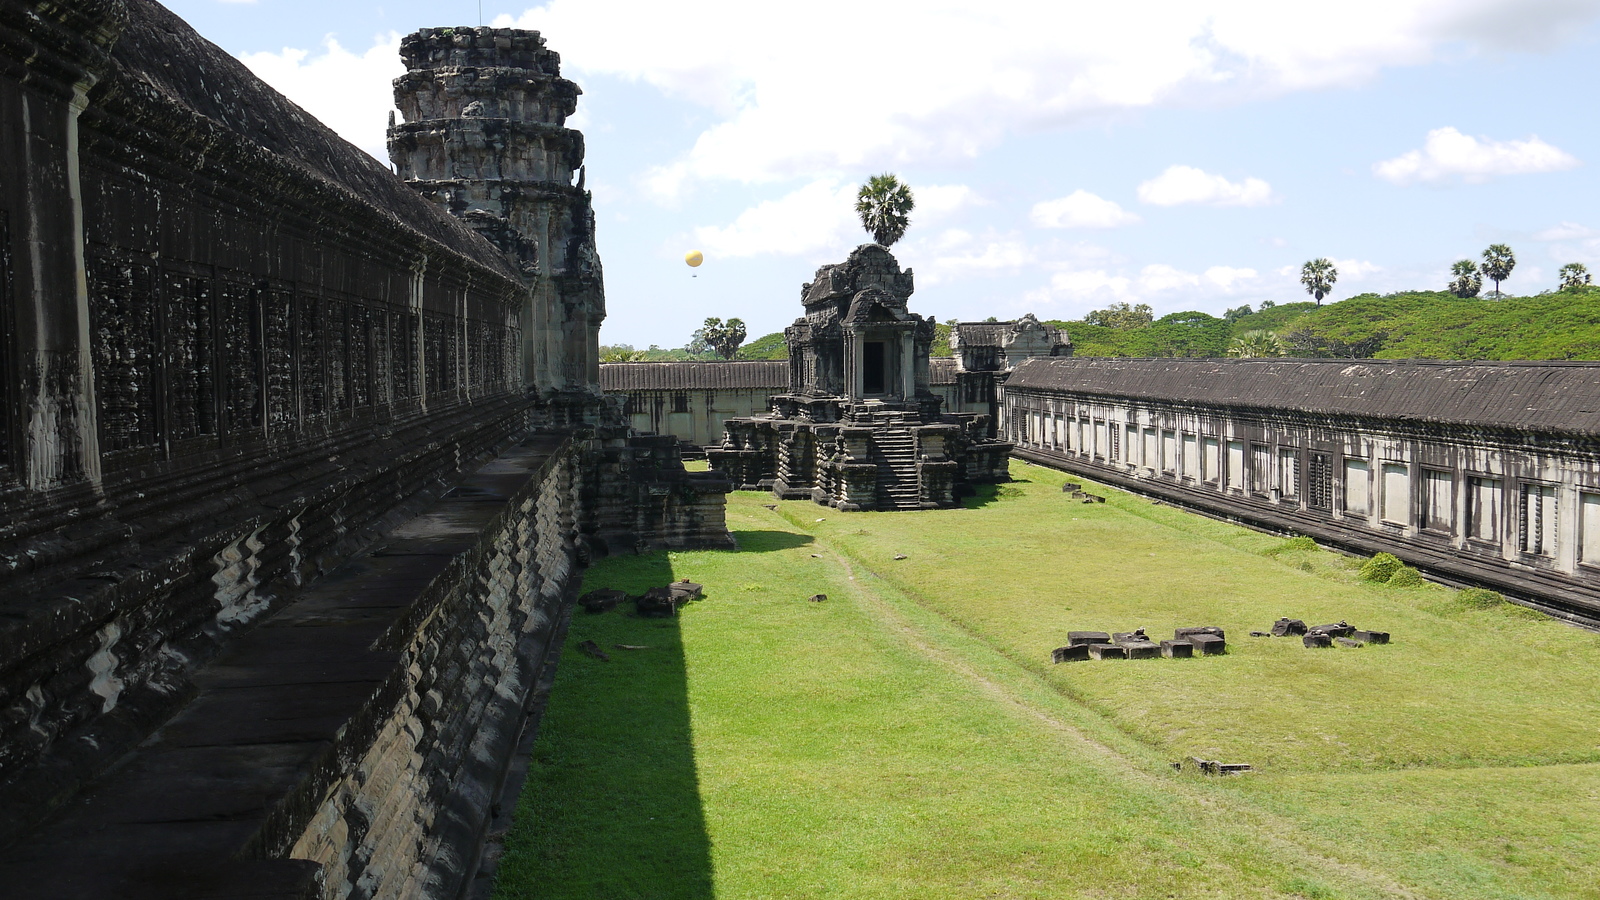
<point x="908" y="737"/>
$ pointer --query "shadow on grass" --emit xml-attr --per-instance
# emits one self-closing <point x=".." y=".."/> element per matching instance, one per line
<point x="985" y="494"/>
<point x="611" y="807"/>
<point x="768" y="541"/>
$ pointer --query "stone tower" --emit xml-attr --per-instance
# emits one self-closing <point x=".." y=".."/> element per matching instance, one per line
<point x="484" y="136"/>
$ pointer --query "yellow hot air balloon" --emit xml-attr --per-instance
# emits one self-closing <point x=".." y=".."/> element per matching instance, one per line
<point x="694" y="258"/>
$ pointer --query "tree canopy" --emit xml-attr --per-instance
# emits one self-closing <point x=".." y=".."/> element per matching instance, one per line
<point x="884" y="205"/>
<point x="1319" y="275"/>
<point x="1498" y="261"/>
<point x="719" y="337"/>
<point x="1467" y="282"/>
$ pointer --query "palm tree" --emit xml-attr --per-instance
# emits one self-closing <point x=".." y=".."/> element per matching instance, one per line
<point x="1318" y="276"/>
<point x="1574" y="276"/>
<point x="1498" y="261"/>
<point x="1467" y="282"/>
<point x="884" y="205"/>
<point x="1256" y="344"/>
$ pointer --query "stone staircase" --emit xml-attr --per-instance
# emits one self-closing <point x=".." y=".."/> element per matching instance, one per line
<point x="896" y="455"/>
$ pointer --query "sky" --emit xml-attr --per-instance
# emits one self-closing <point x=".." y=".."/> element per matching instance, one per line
<point x="1064" y="155"/>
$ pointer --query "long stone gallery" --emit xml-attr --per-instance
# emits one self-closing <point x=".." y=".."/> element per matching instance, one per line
<point x="302" y="459"/>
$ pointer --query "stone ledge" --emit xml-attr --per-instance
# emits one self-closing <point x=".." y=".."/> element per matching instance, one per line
<point x="279" y="716"/>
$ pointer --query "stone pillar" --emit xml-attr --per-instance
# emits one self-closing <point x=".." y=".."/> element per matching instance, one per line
<point x="41" y="218"/>
<point x="908" y="378"/>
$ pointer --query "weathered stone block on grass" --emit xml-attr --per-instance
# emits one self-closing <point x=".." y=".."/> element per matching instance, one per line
<point x="1207" y="644"/>
<point x="1177" y="649"/>
<point x="1142" y="650"/>
<point x="1088" y="637"/>
<point x="1346" y="642"/>
<point x="599" y="601"/>
<point x="1370" y="637"/>
<point x="656" y="603"/>
<point x="1137" y="636"/>
<point x="1341" y="629"/>
<point x="1185" y="633"/>
<point x="1108" y="651"/>
<point x="1285" y="627"/>
<point x="1070" y="653"/>
<point x="685" y="590"/>
<point x="1316" y="639"/>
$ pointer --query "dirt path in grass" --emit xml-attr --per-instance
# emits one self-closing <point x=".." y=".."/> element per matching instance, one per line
<point x="1283" y="836"/>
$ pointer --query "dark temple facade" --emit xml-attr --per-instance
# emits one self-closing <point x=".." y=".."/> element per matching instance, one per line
<point x="299" y="459"/>
<point x="860" y="427"/>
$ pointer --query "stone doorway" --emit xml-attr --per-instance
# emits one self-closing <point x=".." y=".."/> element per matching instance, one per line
<point x="873" y="368"/>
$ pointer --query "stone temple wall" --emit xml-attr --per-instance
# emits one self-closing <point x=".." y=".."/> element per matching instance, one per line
<point x="253" y="387"/>
<point x="234" y="344"/>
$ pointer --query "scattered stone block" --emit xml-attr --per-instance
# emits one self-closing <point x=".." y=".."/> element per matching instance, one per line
<point x="1142" y="650"/>
<point x="1128" y="637"/>
<point x="1370" y="637"/>
<point x="1341" y="629"/>
<point x="1177" y="649"/>
<point x="1206" y="766"/>
<point x="684" y="591"/>
<point x="1260" y="634"/>
<point x="899" y="556"/>
<point x="656" y="603"/>
<point x="1285" y="627"/>
<point x="599" y="601"/>
<point x="1088" y="637"/>
<point x="1346" y="642"/>
<point x="1070" y="653"/>
<point x="1207" y="644"/>
<point x="1233" y="768"/>
<point x="1093" y="498"/>
<point x="1316" y="639"/>
<point x="1184" y="633"/>
<point x="1071" y="487"/>
<point x="1108" y="651"/>
<point x="818" y="598"/>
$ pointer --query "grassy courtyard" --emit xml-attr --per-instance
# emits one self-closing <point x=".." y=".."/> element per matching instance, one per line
<point x="909" y="737"/>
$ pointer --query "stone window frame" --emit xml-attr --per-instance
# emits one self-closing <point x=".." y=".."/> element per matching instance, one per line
<point x="1470" y="482"/>
<point x="1531" y="526"/>
<point x="1260" y="457"/>
<point x="1406" y="500"/>
<point x="1425" y="496"/>
<point x="1344" y="487"/>
<point x="680" y="401"/>
<point x="1288" y="460"/>
<point x="1169" y="461"/>
<point x="1319" y="483"/>
<point x="1592" y="566"/>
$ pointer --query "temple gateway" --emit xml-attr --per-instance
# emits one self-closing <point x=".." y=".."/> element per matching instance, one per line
<point x="859" y="427"/>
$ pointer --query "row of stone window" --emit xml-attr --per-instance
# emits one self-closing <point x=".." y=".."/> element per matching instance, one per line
<point x="1319" y="481"/>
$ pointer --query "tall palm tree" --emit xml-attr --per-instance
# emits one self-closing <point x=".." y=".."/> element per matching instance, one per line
<point x="1467" y="282"/>
<point x="1575" y="276"/>
<point x="1256" y="344"/>
<point x="884" y="205"/>
<point x="1318" y="276"/>
<point x="1498" y="261"/>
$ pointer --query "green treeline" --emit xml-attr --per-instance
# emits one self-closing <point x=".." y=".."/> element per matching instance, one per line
<point x="1406" y="325"/>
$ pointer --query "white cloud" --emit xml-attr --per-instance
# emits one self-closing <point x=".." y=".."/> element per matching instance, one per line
<point x="821" y="216"/>
<point x="1447" y="154"/>
<point x="805" y="99"/>
<point x="814" y="218"/>
<point x="1160" y="277"/>
<point x="1228" y="278"/>
<point x="1186" y="184"/>
<point x="350" y="93"/>
<point x="1566" y="231"/>
<point x="1081" y="209"/>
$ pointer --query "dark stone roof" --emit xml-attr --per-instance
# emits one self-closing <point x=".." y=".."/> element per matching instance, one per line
<point x="981" y="334"/>
<point x="770" y="374"/>
<point x="162" y="51"/>
<point x="1556" y="397"/>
